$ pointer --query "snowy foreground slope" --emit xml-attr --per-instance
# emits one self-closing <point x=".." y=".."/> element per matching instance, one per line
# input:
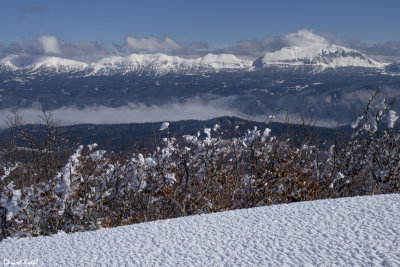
<point x="361" y="231"/>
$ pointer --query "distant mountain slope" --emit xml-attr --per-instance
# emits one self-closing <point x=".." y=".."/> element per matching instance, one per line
<point x="358" y="231"/>
<point x="393" y="67"/>
<point x="319" y="56"/>
<point x="160" y="64"/>
<point x="155" y="64"/>
<point x="36" y="63"/>
<point x="129" y="135"/>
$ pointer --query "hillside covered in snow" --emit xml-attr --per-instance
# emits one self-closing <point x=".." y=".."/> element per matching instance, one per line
<point x="358" y="231"/>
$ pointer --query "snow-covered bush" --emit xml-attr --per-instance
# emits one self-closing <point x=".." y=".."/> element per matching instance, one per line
<point x="368" y="162"/>
<point x="195" y="174"/>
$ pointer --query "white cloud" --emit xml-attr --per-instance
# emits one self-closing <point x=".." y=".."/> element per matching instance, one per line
<point x="303" y="38"/>
<point x="257" y="48"/>
<point x="152" y="44"/>
<point x="49" y="44"/>
<point x="139" y="113"/>
<point x="385" y="51"/>
<point x="162" y="45"/>
<point x="91" y="51"/>
<point x="196" y="109"/>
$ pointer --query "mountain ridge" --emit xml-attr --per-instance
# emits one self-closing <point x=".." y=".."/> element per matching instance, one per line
<point x="315" y="57"/>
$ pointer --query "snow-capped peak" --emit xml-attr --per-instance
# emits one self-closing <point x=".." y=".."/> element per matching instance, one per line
<point x="35" y="62"/>
<point x="307" y="48"/>
<point x="324" y="55"/>
<point x="222" y="61"/>
<point x="57" y="62"/>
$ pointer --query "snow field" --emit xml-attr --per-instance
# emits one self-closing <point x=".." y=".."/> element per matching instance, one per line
<point x="358" y="231"/>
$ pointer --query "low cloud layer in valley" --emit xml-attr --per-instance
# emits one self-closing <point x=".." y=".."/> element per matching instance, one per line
<point x="133" y="113"/>
<point x="138" y="113"/>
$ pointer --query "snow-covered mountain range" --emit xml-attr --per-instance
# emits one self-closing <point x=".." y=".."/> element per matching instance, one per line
<point x="157" y="64"/>
<point x="316" y="57"/>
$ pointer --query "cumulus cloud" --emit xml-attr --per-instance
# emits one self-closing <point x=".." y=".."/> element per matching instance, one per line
<point x="11" y="49"/>
<point x="249" y="49"/>
<point x="160" y="45"/>
<point x="152" y="44"/>
<point x="86" y="51"/>
<point x="302" y="38"/>
<point x="388" y="50"/>
<point x="257" y="48"/>
<point x="49" y="45"/>
<point x="243" y="48"/>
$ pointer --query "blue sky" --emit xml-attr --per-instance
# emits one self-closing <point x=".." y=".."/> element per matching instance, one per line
<point x="215" y="24"/>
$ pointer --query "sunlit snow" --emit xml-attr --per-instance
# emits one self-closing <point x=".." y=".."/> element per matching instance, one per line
<point x="358" y="231"/>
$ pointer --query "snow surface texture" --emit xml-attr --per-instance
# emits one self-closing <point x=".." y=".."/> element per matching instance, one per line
<point x="358" y="231"/>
